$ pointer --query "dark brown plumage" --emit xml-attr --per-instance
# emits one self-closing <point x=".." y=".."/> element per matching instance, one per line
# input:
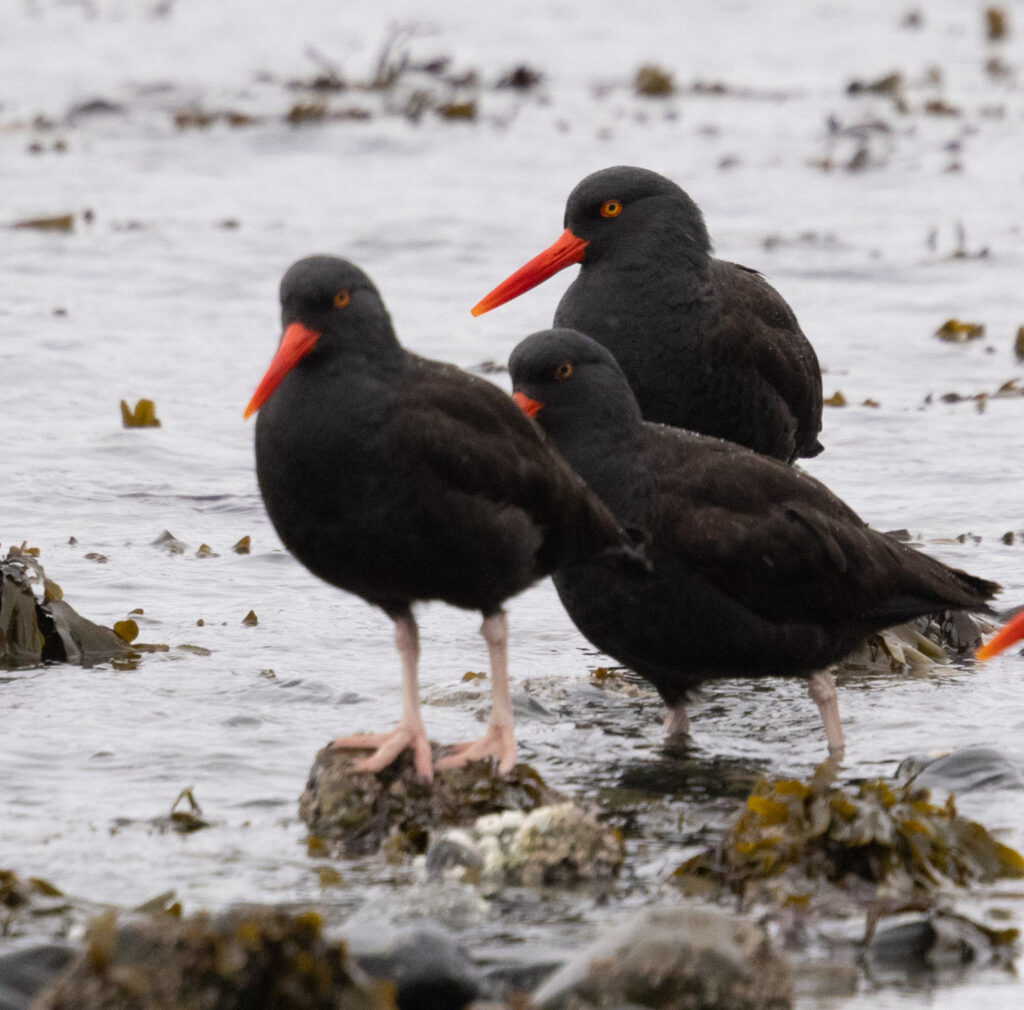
<point x="757" y="569"/>
<point x="707" y="345"/>
<point x="403" y="479"/>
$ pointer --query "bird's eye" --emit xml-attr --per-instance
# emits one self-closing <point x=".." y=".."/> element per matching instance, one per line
<point x="611" y="208"/>
<point x="563" y="370"/>
<point x="342" y="298"/>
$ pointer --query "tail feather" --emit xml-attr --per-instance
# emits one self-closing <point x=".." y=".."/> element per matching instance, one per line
<point x="957" y="590"/>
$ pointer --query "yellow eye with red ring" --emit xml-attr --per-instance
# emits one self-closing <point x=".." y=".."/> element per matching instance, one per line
<point x="342" y="298"/>
<point x="563" y="370"/>
<point x="611" y="208"/>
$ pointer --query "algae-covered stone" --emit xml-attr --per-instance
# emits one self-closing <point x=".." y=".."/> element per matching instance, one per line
<point x="358" y="811"/>
<point x="47" y="629"/>
<point x="684" y="958"/>
<point x="243" y="960"/>
<point x="791" y="836"/>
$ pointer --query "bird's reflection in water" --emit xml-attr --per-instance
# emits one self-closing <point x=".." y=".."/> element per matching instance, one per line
<point x="684" y="770"/>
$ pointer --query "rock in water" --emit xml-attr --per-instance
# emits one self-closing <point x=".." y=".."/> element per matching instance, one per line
<point x="252" y="959"/>
<point x="43" y="630"/>
<point x="685" y="957"/>
<point x="429" y="970"/>
<point x="357" y="811"/>
<point x="26" y="971"/>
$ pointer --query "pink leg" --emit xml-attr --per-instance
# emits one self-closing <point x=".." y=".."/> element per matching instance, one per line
<point x="410" y="731"/>
<point x="677" y="722"/>
<point x="822" y="688"/>
<point x="499" y="741"/>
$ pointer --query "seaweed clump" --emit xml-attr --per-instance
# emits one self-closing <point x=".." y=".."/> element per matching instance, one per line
<point x="877" y="839"/>
<point x="29" y="898"/>
<point x="253" y="958"/>
<point x="358" y="812"/>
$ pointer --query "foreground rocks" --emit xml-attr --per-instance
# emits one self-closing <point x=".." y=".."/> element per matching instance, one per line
<point x="685" y="958"/>
<point x="242" y="960"/>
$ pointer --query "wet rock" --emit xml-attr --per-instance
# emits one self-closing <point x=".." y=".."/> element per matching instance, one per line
<point x="42" y="629"/>
<point x="964" y="771"/>
<point x="685" y="957"/>
<point x="429" y="970"/>
<point x="26" y="971"/>
<point x="935" y="941"/>
<point x="357" y="812"/>
<point x="876" y="839"/>
<point x="242" y="960"/>
<point x="560" y="845"/>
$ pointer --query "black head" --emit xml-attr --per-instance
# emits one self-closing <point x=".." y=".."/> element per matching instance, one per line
<point x="629" y="217"/>
<point x="570" y="382"/>
<point x="328" y="306"/>
<point x="622" y="209"/>
<point x="326" y="292"/>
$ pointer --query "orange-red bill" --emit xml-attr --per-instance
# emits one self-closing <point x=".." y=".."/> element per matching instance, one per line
<point x="565" y="251"/>
<point x="1012" y="631"/>
<point x="296" y="343"/>
<point x="529" y="407"/>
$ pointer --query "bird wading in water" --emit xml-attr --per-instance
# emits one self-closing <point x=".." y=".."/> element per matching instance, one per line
<point x="757" y="569"/>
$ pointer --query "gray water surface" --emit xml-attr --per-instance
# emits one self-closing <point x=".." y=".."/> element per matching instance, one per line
<point x="170" y="292"/>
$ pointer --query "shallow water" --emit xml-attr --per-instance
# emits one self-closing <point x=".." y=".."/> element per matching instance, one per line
<point x="170" y="293"/>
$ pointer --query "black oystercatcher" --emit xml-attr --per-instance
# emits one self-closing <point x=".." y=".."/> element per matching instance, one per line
<point x="707" y="345"/>
<point x="1012" y="631"/>
<point x="757" y="569"/>
<point x="402" y="479"/>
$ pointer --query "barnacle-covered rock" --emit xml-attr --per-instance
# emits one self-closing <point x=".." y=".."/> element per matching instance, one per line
<point x="562" y="844"/>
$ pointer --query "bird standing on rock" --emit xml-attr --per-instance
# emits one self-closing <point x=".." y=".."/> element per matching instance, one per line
<point x="756" y="569"/>
<point x="401" y="479"/>
<point x="707" y="345"/>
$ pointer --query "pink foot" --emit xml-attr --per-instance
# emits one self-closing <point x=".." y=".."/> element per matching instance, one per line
<point x="387" y="748"/>
<point x="498" y="742"/>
